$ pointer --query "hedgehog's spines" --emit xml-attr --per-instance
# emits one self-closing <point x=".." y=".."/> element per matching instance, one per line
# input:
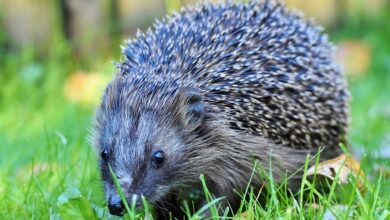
<point x="256" y="63"/>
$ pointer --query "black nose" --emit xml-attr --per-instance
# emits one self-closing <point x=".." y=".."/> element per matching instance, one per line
<point x="115" y="205"/>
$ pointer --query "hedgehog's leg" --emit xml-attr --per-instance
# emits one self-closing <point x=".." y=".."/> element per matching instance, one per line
<point x="169" y="209"/>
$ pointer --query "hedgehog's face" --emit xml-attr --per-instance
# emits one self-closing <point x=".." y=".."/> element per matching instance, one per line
<point x="145" y="147"/>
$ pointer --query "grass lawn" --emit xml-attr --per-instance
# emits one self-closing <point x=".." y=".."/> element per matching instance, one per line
<point x="48" y="169"/>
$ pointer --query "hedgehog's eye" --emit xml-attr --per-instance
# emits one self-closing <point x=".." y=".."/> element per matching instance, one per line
<point x="104" y="154"/>
<point x="157" y="158"/>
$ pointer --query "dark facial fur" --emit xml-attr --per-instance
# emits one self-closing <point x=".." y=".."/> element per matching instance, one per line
<point x="214" y="89"/>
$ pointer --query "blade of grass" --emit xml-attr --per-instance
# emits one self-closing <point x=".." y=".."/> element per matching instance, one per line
<point x="376" y="196"/>
<point x="209" y="197"/>
<point x="209" y="205"/>
<point x="332" y="190"/>
<point x="303" y="182"/>
<point x="121" y="194"/>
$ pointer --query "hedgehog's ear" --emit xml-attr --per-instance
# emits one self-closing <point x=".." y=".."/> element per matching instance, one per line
<point x="193" y="105"/>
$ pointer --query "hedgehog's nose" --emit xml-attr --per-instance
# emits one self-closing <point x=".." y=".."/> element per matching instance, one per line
<point x="115" y="205"/>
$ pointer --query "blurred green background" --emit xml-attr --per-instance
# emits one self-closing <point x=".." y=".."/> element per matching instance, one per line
<point x="56" y="56"/>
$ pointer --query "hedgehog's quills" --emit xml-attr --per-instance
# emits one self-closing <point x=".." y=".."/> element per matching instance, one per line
<point x="210" y="91"/>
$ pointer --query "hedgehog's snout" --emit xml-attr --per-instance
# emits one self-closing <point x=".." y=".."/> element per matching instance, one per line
<point x="116" y="205"/>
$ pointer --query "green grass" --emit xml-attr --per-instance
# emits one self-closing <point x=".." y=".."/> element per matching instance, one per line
<point x="48" y="169"/>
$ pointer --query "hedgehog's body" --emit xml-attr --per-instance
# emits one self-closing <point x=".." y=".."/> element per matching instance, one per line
<point x="216" y="87"/>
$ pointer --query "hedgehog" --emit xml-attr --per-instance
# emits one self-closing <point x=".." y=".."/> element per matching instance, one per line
<point x="219" y="91"/>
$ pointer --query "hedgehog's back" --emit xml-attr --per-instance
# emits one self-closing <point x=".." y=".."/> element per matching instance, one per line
<point x="264" y="69"/>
